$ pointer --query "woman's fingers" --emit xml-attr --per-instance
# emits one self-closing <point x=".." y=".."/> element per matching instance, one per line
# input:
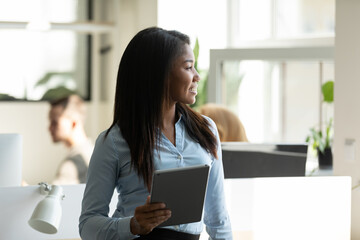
<point x="148" y="216"/>
<point x="156" y="216"/>
<point x="143" y="227"/>
<point x="151" y="214"/>
<point x="151" y="207"/>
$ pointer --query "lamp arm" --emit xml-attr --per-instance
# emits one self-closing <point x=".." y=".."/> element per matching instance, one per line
<point x="45" y="188"/>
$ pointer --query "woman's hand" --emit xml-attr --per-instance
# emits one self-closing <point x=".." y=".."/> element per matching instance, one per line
<point x="148" y="216"/>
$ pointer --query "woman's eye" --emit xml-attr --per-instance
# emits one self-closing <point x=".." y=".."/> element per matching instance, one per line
<point x="189" y="68"/>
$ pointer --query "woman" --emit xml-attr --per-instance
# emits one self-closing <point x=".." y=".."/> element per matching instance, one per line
<point x="153" y="128"/>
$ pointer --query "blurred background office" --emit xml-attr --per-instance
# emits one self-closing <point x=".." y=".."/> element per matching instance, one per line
<point x="55" y="46"/>
<point x="228" y="124"/>
<point x="272" y="60"/>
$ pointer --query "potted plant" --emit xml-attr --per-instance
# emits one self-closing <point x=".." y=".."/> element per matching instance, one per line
<point x="321" y="139"/>
<point x="321" y="143"/>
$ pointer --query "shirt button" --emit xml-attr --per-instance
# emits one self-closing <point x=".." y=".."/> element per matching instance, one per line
<point x="179" y="157"/>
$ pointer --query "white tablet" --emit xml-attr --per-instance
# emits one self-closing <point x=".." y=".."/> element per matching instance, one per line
<point x="183" y="191"/>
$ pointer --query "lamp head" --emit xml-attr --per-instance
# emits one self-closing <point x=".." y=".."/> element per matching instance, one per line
<point x="47" y="214"/>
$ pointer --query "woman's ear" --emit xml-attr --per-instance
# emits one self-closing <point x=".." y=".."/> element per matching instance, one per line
<point x="74" y="123"/>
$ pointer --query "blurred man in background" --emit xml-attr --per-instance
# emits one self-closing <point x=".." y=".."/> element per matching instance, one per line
<point x="67" y="117"/>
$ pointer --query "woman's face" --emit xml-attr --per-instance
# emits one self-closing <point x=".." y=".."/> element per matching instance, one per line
<point x="184" y="78"/>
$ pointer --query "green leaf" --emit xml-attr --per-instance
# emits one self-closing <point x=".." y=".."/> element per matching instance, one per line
<point x="49" y="75"/>
<point x="202" y="90"/>
<point x="56" y="93"/>
<point x="327" y="90"/>
<point x="196" y="52"/>
<point x="328" y="134"/>
<point x="321" y="147"/>
<point x="7" y="97"/>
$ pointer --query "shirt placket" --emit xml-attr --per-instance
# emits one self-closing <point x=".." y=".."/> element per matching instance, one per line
<point x="179" y="138"/>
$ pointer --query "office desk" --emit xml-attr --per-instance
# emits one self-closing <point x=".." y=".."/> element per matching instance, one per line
<point x="295" y="208"/>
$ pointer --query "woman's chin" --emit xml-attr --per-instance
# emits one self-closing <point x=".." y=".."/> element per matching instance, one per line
<point x="189" y="101"/>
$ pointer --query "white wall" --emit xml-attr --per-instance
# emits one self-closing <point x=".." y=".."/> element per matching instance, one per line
<point x="40" y="156"/>
<point x="347" y="101"/>
<point x="135" y="16"/>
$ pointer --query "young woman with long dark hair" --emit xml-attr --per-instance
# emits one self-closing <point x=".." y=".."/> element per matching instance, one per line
<point x="153" y="128"/>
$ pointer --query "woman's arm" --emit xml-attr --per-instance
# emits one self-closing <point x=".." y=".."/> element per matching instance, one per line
<point x="216" y="217"/>
<point x="110" y="157"/>
<point x="101" y="181"/>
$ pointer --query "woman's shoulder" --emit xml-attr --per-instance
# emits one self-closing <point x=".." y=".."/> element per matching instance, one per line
<point x="210" y="121"/>
<point x="110" y="146"/>
<point x="111" y="136"/>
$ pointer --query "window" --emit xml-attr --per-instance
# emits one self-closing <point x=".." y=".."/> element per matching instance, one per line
<point x="280" y="19"/>
<point x="46" y="48"/>
<point x="208" y="23"/>
<point x="38" y="64"/>
<point x="265" y="89"/>
<point x="271" y="77"/>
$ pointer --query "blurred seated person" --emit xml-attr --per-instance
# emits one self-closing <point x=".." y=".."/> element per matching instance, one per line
<point x="228" y="124"/>
<point x="67" y="117"/>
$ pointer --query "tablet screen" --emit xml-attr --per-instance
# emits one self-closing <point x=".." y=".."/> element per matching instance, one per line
<point x="183" y="191"/>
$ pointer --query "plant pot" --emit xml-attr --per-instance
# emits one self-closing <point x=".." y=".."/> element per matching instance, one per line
<point x="325" y="159"/>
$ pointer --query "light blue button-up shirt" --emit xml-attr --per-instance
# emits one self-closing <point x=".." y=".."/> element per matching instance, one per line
<point x="110" y="168"/>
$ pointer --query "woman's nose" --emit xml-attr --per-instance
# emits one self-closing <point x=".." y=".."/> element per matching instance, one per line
<point x="196" y="76"/>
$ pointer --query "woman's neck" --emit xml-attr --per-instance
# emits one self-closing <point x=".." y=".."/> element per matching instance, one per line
<point x="169" y="116"/>
<point x="168" y="125"/>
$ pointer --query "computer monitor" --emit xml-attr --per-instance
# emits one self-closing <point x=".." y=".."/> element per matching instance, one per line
<point x="249" y="160"/>
<point x="10" y="160"/>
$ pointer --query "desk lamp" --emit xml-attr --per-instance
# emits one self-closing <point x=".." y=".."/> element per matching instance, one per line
<point x="47" y="214"/>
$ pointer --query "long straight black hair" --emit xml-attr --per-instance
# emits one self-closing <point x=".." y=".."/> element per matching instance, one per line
<point x="142" y="89"/>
